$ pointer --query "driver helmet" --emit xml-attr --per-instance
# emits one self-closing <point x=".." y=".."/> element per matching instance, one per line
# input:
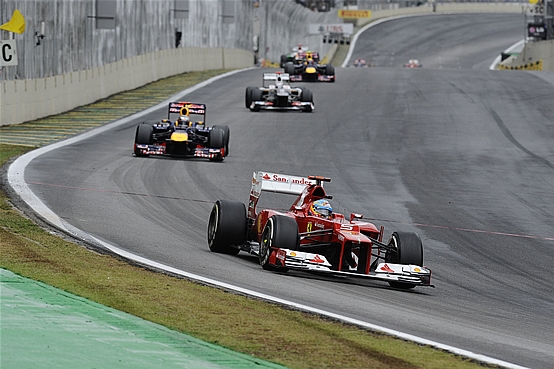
<point x="183" y="121"/>
<point x="321" y="208"/>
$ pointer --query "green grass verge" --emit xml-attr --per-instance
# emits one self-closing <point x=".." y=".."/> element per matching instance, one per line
<point x="268" y="331"/>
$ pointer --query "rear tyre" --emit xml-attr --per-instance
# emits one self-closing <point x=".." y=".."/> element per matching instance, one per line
<point x="144" y="136"/>
<point x="226" y="137"/>
<point x="283" y="60"/>
<point x="289" y="68"/>
<point x="227" y="227"/>
<point x="405" y="248"/>
<point x="282" y="232"/>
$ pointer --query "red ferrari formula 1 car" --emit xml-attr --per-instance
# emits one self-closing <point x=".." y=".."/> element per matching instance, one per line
<point x="311" y="237"/>
<point x="183" y="134"/>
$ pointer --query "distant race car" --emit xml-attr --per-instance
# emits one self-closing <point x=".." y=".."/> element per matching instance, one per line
<point x="412" y="63"/>
<point x="306" y="68"/>
<point x="290" y="58"/>
<point x="183" y="137"/>
<point x="277" y="94"/>
<point x="309" y="236"/>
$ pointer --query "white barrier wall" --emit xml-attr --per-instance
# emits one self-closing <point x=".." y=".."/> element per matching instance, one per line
<point x="25" y="100"/>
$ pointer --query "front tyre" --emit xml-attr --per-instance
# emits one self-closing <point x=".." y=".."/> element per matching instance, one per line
<point x="404" y="248"/>
<point x="226" y="137"/>
<point x="279" y="232"/>
<point x="143" y="136"/>
<point x="227" y="227"/>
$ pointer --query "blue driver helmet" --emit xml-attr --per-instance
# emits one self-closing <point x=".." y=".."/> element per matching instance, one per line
<point x="321" y="208"/>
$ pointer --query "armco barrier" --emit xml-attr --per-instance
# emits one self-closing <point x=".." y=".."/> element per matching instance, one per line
<point x="25" y="100"/>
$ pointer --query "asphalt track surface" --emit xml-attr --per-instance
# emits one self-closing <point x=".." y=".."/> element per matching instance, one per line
<point x="458" y="153"/>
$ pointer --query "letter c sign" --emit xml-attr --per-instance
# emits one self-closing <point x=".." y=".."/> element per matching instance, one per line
<point x="8" y="53"/>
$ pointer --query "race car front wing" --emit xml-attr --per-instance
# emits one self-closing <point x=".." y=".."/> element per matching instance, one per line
<point x="317" y="263"/>
<point x="320" y="78"/>
<point x="198" y="152"/>
<point x="389" y="272"/>
<point x="296" y="105"/>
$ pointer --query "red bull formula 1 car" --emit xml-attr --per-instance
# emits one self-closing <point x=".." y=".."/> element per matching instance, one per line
<point x="182" y="136"/>
<point x="309" y="236"/>
<point x="307" y="68"/>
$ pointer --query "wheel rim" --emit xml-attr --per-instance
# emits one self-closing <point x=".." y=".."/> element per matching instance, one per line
<point x="265" y="244"/>
<point x="212" y="224"/>
<point x="392" y="256"/>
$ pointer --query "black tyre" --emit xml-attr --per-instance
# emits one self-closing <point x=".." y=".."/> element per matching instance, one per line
<point x="406" y="248"/>
<point x="227" y="227"/>
<point x="216" y="139"/>
<point x="282" y="232"/>
<point x="248" y="96"/>
<point x="226" y="137"/>
<point x="144" y="136"/>
<point x="284" y="60"/>
<point x="256" y="96"/>
<point x="307" y="96"/>
<point x="289" y="68"/>
<point x="330" y="70"/>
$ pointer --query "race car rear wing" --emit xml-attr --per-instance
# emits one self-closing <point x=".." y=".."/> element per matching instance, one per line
<point x="279" y="183"/>
<point x="274" y="77"/>
<point x="186" y="108"/>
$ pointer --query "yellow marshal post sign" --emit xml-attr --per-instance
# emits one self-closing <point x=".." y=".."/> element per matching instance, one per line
<point x="351" y="13"/>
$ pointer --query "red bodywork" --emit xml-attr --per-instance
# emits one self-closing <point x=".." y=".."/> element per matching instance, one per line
<point x="351" y="236"/>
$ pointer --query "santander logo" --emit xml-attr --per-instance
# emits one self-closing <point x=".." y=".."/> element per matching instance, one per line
<point x="294" y="180"/>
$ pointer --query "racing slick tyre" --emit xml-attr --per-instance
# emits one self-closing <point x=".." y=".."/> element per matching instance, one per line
<point x="279" y="231"/>
<point x="404" y="248"/>
<point x="330" y="71"/>
<point x="144" y="136"/>
<point x="256" y="96"/>
<point x="248" y="96"/>
<point x="307" y="96"/>
<point x="289" y="68"/>
<point x="226" y="137"/>
<point x="216" y="140"/>
<point x="227" y="227"/>
<point x="284" y="60"/>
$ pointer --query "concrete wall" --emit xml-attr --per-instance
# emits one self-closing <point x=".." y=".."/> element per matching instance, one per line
<point x="75" y="40"/>
<point x="25" y="100"/>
